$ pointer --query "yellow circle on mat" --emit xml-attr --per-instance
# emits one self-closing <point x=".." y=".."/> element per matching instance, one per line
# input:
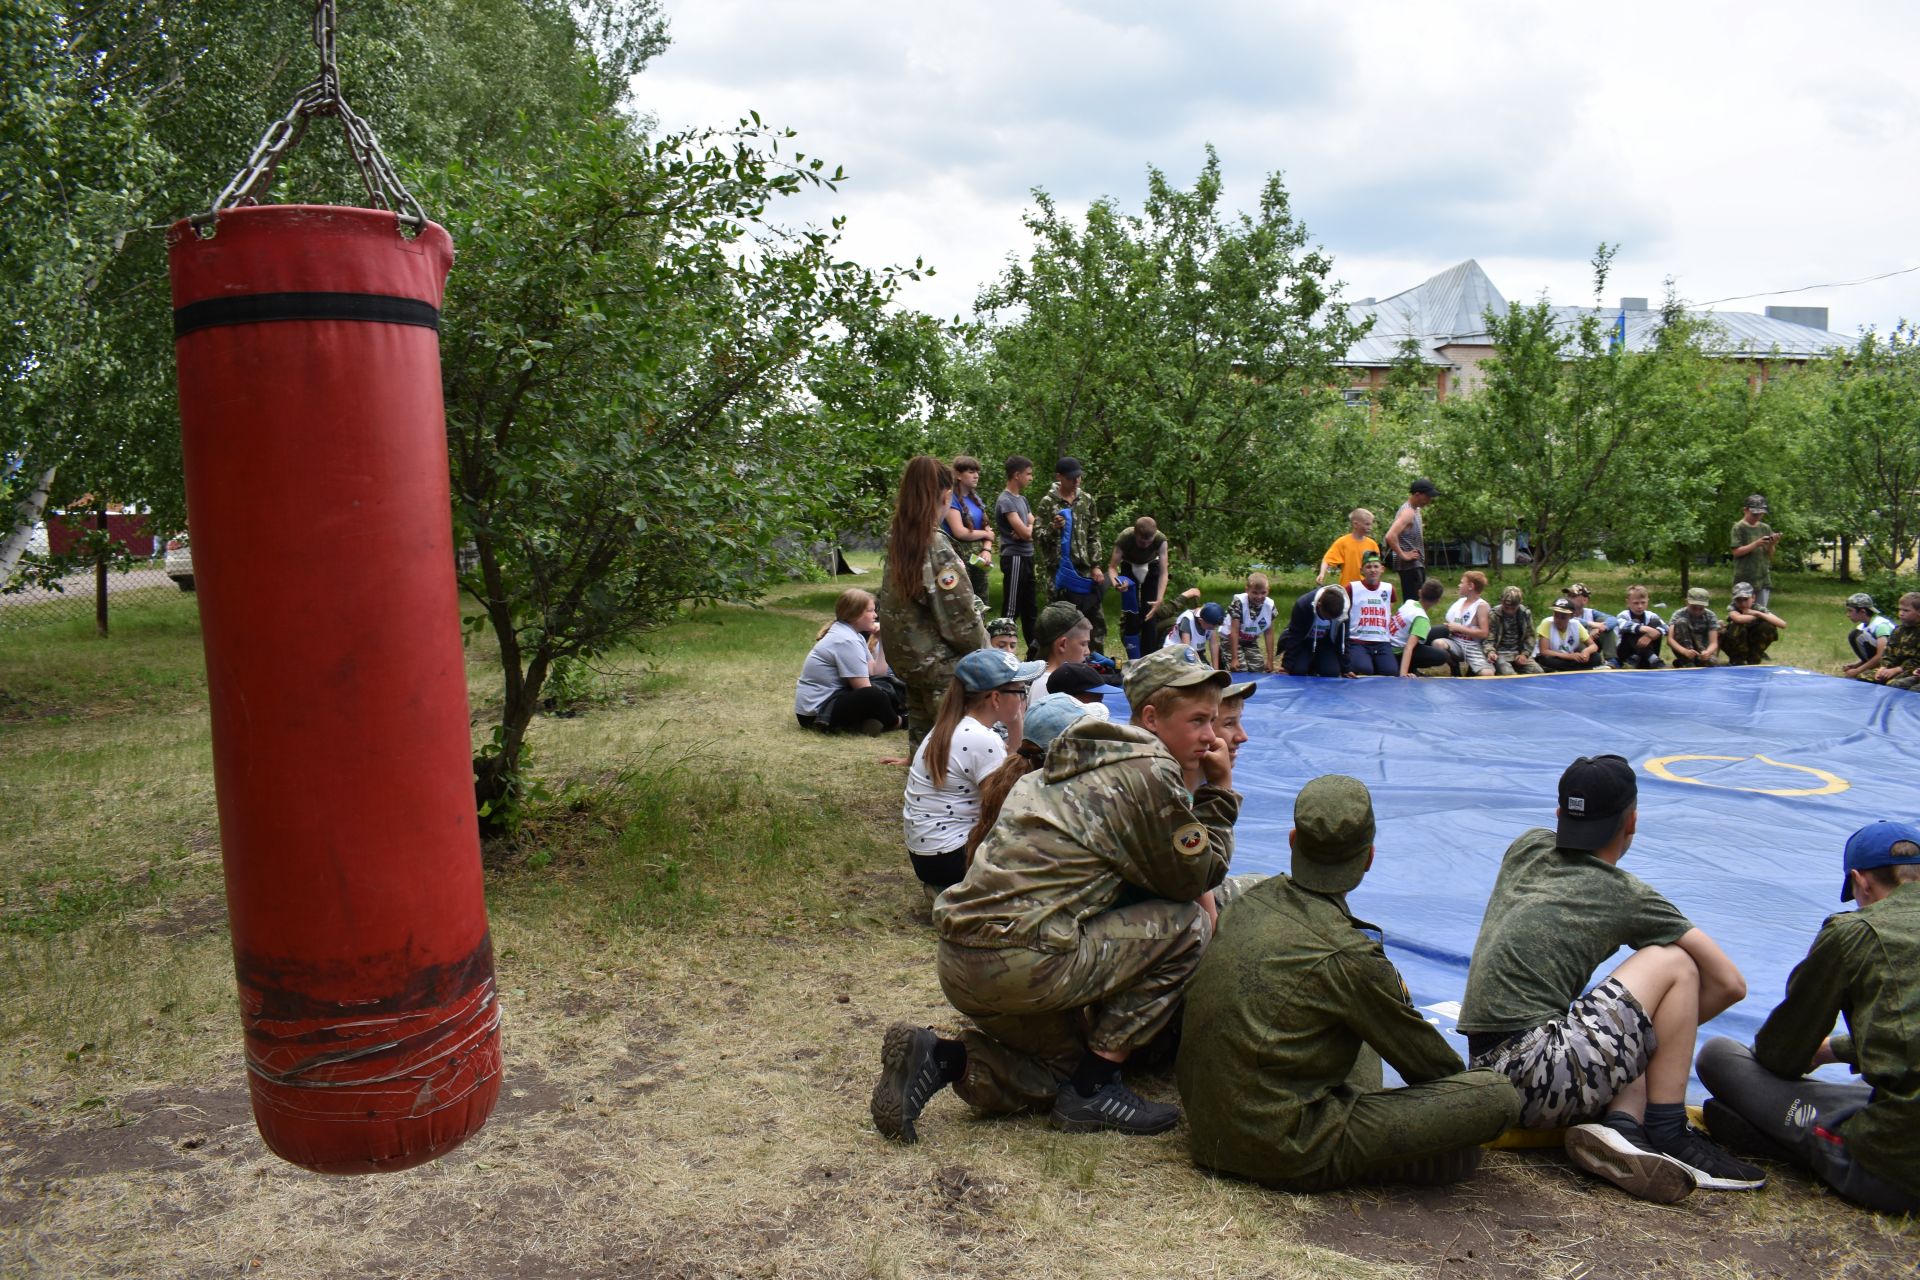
<point x="1830" y="784"/>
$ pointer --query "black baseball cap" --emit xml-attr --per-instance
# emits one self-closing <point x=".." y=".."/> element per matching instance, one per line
<point x="1080" y="679"/>
<point x="1596" y="793"/>
<point x="1068" y="467"/>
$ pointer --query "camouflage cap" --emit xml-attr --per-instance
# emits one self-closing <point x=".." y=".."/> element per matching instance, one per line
<point x="1512" y="595"/>
<point x="1698" y="595"/>
<point x="1370" y="557"/>
<point x="1174" y="667"/>
<point x="1742" y="591"/>
<point x="1003" y="627"/>
<point x="1860" y="600"/>
<point x="1055" y="621"/>
<point x="1579" y="589"/>
<point x="1332" y="833"/>
<point x="1244" y="689"/>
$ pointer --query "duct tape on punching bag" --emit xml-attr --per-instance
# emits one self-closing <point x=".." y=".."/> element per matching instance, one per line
<point x="315" y="440"/>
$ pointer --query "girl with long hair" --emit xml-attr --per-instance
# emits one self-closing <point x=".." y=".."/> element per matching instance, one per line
<point x="988" y="688"/>
<point x="841" y="688"/>
<point x="927" y="617"/>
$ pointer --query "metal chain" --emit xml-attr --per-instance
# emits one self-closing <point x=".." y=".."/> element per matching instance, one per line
<point x="321" y="97"/>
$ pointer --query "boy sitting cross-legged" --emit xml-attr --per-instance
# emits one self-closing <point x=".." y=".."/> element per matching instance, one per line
<point x="1061" y="980"/>
<point x="1618" y="1054"/>
<point x="1642" y="631"/>
<point x="1510" y="638"/>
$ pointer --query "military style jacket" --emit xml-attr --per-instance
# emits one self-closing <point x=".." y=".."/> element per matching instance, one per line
<point x="1903" y="649"/>
<point x="925" y="638"/>
<point x="1292" y="1001"/>
<point x="1085" y="546"/>
<point x="1109" y="810"/>
<point x="1865" y="966"/>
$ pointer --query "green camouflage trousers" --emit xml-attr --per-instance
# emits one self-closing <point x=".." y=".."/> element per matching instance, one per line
<point x="1425" y="1133"/>
<point x="923" y="706"/>
<point x="1746" y="644"/>
<point x="1036" y="1012"/>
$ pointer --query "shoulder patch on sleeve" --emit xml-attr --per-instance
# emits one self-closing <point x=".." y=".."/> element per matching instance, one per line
<point x="1191" y="840"/>
<point x="947" y="580"/>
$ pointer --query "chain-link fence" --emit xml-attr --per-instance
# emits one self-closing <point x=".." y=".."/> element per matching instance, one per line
<point x="85" y="596"/>
<point x="86" y="569"/>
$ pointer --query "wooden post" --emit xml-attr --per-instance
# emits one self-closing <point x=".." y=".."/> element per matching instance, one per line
<point x="100" y="574"/>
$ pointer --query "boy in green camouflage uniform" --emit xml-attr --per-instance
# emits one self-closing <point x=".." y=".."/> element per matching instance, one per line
<point x="1289" y="1015"/>
<point x="1083" y="913"/>
<point x="1083" y="547"/>
<point x="1693" y="636"/>
<point x="1861" y="1139"/>
<point x="1749" y="630"/>
<point x="1900" y="664"/>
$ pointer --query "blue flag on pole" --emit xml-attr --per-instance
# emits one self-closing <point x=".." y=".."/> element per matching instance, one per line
<point x="1617" y="340"/>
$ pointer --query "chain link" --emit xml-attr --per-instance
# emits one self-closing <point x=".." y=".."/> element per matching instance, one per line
<point x="320" y="97"/>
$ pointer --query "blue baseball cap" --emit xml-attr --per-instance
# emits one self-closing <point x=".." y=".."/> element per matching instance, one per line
<point x="1047" y="718"/>
<point x="1873" y="846"/>
<point x="1212" y="613"/>
<point x="985" y="670"/>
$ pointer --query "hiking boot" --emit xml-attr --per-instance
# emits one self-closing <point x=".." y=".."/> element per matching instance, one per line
<point x="1115" y="1107"/>
<point x="1629" y="1163"/>
<point x="1711" y="1167"/>
<point x="1734" y="1132"/>
<point x="909" y="1076"/>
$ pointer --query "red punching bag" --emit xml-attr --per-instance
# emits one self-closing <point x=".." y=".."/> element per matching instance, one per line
<point x="317" y="492"/>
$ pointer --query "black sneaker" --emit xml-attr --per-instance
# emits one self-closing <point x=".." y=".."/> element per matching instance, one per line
<point x="1115" y="1107"/>
<point x="909" y="1076"/>
<point x="1711" y="1167"/>
<point x="1629" y="1163"/>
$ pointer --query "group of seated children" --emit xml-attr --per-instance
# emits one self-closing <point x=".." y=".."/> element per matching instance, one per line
<point x="1095" y="918"/>
<point x="1359" y="628"/>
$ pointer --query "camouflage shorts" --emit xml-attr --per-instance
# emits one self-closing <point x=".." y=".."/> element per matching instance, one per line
<point x="1248" y="656"/>
<point x="1568" y="1070"/>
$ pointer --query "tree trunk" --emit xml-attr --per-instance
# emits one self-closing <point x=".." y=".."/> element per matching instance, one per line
<point x="26" y="514"/>
<point x="1846" y="558"/>
<point x="1686" y="569"/>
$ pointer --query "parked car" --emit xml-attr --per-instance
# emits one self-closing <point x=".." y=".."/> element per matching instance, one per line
<point x="180" y="562"/>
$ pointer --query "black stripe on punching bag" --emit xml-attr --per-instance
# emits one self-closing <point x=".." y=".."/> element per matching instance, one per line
<point x="258" y="308"/>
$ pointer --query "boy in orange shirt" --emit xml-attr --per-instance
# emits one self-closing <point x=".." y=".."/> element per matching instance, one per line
<point x="1347" y="550"/>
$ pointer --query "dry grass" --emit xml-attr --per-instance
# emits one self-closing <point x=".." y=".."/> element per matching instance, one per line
<point x="700" y="940"/>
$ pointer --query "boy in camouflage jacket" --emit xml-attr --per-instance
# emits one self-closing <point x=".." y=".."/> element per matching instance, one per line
<point x="1083" y="913"/>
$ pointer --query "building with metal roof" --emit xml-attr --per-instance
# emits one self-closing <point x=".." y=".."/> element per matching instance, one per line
<point x="1442" y="323"/>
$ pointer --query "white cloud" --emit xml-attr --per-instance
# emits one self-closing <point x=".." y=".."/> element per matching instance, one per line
<point x="1734" y="147"/>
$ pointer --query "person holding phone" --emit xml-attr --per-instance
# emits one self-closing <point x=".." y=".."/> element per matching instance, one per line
<point x="1753" y="544"/>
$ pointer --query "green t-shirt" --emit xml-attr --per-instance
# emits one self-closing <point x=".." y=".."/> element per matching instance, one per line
<point x="1555" y="915"/>
<point x="1756" y="567"/>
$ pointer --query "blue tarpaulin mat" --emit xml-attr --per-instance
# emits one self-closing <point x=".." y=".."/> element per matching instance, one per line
<point x="1751" y="779"/>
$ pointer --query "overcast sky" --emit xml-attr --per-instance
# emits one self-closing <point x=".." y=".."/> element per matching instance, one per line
<point x="1739" y="148"/>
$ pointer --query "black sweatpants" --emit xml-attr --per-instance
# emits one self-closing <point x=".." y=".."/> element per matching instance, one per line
<point x="1802" y="1117"/>
<point x="1016" y="595"/>
<point x="849" y="710"/>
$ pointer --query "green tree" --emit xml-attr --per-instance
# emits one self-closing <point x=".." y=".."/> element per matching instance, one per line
<point x="1870" y="444"/>
<point x="1186" y="356"/>
<point x="632" y="354"/>
<point x="1571" y="438"/>
<point x="121" y="116"/>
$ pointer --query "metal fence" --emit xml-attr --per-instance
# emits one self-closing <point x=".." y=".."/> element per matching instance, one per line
<point x="85" y="597"/>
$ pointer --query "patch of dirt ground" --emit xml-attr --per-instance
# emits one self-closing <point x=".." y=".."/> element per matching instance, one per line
<point x="696" y="1107"/>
